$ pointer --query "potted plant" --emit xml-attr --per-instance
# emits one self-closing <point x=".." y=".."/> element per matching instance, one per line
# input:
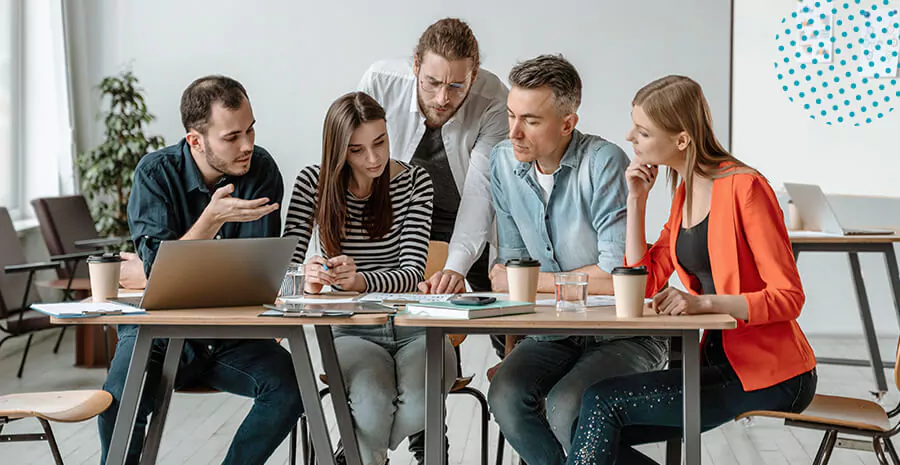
<point x="107" y="171"/>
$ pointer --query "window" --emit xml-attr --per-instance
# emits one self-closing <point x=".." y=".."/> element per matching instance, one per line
<point x="9" y="70"/>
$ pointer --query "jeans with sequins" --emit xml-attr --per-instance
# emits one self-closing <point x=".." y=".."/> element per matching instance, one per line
<point x="621" y="412"/>
<point x="536" y="393"/>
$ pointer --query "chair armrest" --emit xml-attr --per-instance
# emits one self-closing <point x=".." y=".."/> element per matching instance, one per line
<point x="75" y="256"/>
<point x="30" y="267"/>
<point x="100" y="242"/>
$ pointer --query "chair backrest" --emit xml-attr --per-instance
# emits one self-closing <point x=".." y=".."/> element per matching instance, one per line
<point x="12" y="287"/>
<point x="437" y="257"/>
<point x="65" y="220"/>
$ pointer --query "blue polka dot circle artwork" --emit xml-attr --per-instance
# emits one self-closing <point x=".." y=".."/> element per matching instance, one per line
<point x="838" y="59"/>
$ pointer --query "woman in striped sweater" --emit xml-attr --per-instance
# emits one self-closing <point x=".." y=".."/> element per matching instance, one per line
<point x="374" y="220"/>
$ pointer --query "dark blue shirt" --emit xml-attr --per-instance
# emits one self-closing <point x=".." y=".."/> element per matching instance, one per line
<point x="169" y="196"/>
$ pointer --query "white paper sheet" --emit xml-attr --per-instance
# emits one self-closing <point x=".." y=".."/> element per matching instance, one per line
<point x="592" y="301"/>
<point x="312" y="300"/>
<point x="85" y="309"/>
<point x="383" y="297"/>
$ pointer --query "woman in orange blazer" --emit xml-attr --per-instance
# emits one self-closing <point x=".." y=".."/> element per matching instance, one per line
<point x="727" y="241"/>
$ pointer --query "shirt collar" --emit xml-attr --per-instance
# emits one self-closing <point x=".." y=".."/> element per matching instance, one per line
<point x="570" y="157"/>
<point x="191" y="175"/>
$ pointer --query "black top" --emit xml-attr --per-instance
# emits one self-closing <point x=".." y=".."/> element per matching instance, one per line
<point x="430" y="154"/>
<point x="692" y="251"/>
<point x="169" y="195"/>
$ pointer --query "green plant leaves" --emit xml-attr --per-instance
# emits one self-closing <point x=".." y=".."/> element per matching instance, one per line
<point x="106" y="172"/>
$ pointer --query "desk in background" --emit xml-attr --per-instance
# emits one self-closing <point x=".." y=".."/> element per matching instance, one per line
<point x="804" y="241"/>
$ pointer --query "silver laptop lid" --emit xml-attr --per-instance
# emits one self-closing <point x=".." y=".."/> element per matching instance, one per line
<point x="813" y="207"/>
<point x="217" y="273"/>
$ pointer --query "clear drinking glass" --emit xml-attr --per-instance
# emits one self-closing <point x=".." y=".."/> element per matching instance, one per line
<point x="294" y="281"/>
<point x="571" y="291"/>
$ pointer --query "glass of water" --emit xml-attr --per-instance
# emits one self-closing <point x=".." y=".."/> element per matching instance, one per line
<point x="571" y="292"/>
<point x="294" y="281"/>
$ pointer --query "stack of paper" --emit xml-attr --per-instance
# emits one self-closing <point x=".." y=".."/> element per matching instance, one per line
<point x="86" y="309"/>
<point x="404" y="298"/>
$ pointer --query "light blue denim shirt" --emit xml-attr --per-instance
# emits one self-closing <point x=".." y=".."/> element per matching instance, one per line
<point x="583" y="221"/>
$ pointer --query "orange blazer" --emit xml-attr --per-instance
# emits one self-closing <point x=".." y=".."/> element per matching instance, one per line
<point x="750" y="255"/>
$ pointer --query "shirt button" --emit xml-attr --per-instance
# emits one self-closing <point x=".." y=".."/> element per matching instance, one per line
<point x="210" y="347"/>
<point x="549" y="249"/>
<point x="218" y="236"/>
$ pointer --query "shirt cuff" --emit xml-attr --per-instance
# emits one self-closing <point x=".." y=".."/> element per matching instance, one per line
<point x="459" y="262"/>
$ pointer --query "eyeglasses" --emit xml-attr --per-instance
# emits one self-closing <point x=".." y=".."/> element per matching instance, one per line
<point x="454" y="89"/>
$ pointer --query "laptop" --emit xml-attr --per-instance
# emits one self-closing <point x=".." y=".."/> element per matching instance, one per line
<point x="816" y="212"/>
<point x="216" y="273"/>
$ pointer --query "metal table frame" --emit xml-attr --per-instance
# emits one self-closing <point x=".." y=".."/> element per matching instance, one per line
<point x="435" y="408"/>
<point x="306" y="378"/>
<point x="862" y="298"/>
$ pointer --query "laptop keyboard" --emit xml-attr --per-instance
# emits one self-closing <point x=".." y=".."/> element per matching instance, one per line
<point x="130" y="301"/>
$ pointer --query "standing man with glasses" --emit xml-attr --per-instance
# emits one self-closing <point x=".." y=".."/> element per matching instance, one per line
<point x="445" y="114"/>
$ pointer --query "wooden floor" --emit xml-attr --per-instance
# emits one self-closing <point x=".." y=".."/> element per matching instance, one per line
<point x="200" y="426"/>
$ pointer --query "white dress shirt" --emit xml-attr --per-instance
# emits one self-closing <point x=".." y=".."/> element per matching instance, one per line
<point x="479" y="124"/>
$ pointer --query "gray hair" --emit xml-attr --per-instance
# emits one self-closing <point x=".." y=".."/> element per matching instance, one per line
<point x="552" y="71"/>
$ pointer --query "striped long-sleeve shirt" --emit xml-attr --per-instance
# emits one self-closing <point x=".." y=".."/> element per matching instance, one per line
<point x="394" y="263"/>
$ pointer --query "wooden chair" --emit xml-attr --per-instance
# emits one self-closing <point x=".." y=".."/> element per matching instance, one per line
<point x="17" y="291"/>
<point x="846" y="415"/>
<point x="61" y="406"/>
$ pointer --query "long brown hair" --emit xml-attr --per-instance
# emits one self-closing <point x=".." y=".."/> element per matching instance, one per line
<point x="344" y="115"/>
<point x="676" y="104"/>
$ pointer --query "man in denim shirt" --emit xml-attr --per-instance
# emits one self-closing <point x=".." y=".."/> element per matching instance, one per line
<point x="215" y="183"/>
<point x="560" y="198"/>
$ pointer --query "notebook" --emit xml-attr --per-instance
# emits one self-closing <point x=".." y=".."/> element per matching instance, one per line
<point x="450" y="311"/>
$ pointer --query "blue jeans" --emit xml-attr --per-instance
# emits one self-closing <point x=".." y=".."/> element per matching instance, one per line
<point x="260" y="369"/>
<point x="643" y="408"/>
<point x="384" y="370"/>
<point x="536" y="393"/>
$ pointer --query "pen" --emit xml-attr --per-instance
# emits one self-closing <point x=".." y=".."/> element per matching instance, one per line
<point x="102" y="312"/>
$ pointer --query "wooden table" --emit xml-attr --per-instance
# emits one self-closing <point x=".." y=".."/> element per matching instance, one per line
<point x="803" y="241"/>
<point x="546" y="320"/>
<point x="230" y="323"/>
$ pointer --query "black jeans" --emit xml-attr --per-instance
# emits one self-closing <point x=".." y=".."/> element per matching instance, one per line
<point x="647" y="407"/>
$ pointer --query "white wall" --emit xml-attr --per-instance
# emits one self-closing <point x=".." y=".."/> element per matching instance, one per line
<point x="778" y="137"/>
<point x="296" y="57"/>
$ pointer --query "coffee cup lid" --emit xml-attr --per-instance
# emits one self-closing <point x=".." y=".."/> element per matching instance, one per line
<point x="629" y="270"/>
<point x="522" y="263"/>
<point x="109" y="257"/>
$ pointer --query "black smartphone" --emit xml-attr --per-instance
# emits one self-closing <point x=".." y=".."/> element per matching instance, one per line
<point x="472" y="300"/>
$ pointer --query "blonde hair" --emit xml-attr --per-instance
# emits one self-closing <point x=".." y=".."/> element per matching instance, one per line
<point x="677" y="104"/>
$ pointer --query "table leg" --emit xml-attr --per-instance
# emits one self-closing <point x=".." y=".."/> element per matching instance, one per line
<point x="338" y="394"/>
<point x="131" y="396"/>
<point x="865" y="314"/>
<point x="690" y="341"/>
<point x="434" y="397"/>
<point x="890" y="259"/>
<point x="163" y="398"/>
<point x="309" y="392"/>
